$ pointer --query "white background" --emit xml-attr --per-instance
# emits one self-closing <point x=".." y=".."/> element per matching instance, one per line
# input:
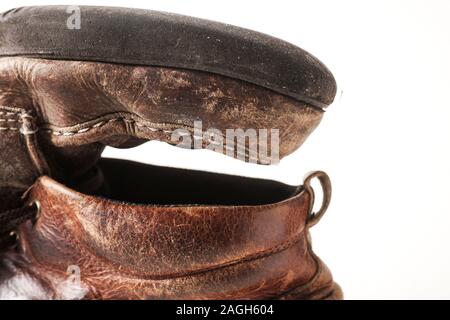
<point x="384" y="142"/>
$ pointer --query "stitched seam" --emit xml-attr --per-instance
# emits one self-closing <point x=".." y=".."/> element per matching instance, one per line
<point x="9" y="113"/>
<point x="299" y="291"/>
<point x="257" y="256"/>
<point x="83" y="130"/>
<point x="99" y="125"/>
<point x="7" y="122"/>
<point x="302" y="287"/>
<point x="260" y="255"/>
<point x="102" y="123"/>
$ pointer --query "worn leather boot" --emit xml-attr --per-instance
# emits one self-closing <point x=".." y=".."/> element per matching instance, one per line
<point x="124" y="77"/>
<point x="191" y="241"/>
<point x="128" y="76"/>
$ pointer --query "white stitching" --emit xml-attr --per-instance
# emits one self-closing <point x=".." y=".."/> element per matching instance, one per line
<point x="3" y="113"/>
<point x="84" y="130"/>
<point x="5" y="120"/>
<point x="96" y="125"/>
<point x="101" y="124"/>
<point x="71" y="133"/>
<point x="10" y="120"/>
<point x="143" y="126"/>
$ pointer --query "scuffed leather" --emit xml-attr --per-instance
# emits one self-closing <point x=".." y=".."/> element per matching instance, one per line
<point x="60" y="108"/>
<point x="131" y="251"/>
<point x="80" y="107"/>
<point x="152" y="38"/>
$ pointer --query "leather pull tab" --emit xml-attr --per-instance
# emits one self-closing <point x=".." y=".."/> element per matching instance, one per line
<point x="325" y="182"/>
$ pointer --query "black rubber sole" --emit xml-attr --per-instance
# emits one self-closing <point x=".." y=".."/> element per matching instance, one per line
<point x="144" y="37"/>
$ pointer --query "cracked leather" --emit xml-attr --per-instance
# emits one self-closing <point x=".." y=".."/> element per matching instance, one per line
<point x="147" y="251"/>
<point x="61" y="104"/>
<point x="80" y="107"/>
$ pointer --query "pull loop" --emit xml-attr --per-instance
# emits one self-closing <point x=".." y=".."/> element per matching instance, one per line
<point x="325" y="182"/>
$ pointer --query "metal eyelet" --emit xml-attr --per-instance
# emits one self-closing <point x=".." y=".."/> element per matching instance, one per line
<point x="314" y="217"/>
<point x="14" y="236"/>
<point x="37" y="204"/>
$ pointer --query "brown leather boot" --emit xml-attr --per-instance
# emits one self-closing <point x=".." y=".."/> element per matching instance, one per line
<point x="129" y="76"/>
<point x="125" y="77"/>
<point x="252" y="245"/>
